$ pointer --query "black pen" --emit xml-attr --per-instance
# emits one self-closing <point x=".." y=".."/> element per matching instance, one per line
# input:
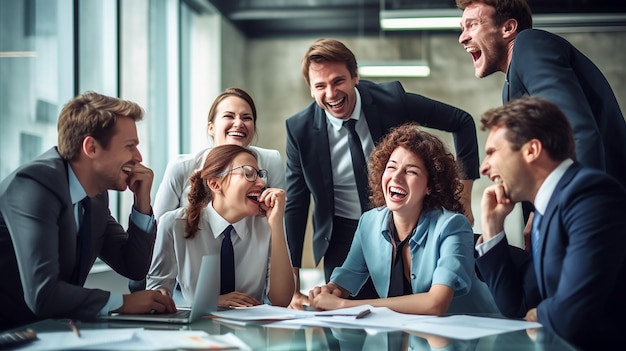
<point x="74" y="328"/>
<point x="357" y="316"/>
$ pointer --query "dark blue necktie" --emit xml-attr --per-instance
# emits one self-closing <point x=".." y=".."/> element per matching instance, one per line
<point x="227" y="259"/>
<point x="535" y="239"/>
<point x="358" y="162"/>
<point x="82" y="264"/>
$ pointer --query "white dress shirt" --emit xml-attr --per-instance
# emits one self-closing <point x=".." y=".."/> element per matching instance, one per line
<point x="347" y="203"/>
<point x="178" y="259"/>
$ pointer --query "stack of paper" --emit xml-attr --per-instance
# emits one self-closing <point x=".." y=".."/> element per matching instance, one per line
<point x="381" y="318"/>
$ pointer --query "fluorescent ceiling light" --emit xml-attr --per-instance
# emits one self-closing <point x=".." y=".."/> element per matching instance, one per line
<point x="394" y="69"/>
<point x="420" y="19"/>
<point x="447" y="19"/>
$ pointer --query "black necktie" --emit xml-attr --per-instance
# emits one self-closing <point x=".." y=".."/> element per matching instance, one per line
<point x="398" y="284"/>
<point x="227" y="259"/>
<point x="358" y="163"/>
<point x="83" y="245"/>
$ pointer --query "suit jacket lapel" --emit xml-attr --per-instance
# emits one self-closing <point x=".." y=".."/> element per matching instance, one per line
<point x="547" y="220"/>
<point x="374" y="121"/>
<point x="323" y="149"/>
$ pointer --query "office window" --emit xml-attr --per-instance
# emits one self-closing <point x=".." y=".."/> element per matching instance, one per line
<point x="36" y="66"/>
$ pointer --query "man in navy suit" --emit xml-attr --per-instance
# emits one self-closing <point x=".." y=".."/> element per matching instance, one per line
<point x="319" y="160"/>
<point x="499" y="37"/>
<point x="575" y="283"/>
<point x="55" y="219"/>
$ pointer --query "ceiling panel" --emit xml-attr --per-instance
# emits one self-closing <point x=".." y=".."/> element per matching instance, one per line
<point x="293" y="18"/>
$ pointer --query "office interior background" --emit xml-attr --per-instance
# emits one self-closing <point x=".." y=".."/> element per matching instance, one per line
<point x="173" y="57"/>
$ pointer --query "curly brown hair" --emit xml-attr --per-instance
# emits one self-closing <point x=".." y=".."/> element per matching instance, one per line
<point x="443" y="172"/>
<point x="217" y="161"/>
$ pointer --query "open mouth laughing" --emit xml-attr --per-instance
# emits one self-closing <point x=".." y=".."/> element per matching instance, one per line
<point x="237" y="134"/>
<point x="254" y="196"/>
<point x="335" y="105"/>
<point x="474" y="52"/>
<point x="396" y="193"/>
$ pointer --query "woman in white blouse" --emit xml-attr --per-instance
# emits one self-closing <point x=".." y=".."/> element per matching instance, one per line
<point x="232" y="120"/>
<point x="228" y="191"/>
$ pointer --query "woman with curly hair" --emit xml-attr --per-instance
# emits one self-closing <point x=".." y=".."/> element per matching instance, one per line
<point x="416" y="244"/>
<point x="227" y="201"/>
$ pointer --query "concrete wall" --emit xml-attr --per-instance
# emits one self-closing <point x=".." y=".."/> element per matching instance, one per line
<point x="272" y="77"/>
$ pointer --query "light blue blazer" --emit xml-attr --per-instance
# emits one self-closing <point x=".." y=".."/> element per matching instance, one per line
<point x="442" y="252"/>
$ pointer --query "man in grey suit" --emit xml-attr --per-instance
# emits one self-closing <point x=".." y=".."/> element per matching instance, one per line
<point x="55" y="221"/>
<point x="320" y="155"/>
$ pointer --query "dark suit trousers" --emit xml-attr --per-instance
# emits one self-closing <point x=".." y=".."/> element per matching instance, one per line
<point x="340" y="242"/>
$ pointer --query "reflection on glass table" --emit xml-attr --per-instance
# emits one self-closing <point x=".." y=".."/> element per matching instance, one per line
<point x="259" y="337"/>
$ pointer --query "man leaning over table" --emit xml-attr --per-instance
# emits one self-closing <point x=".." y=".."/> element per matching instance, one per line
<point x="321" y="152"/>
<point x="48" y="245"/>
<point x="575" y="285"/>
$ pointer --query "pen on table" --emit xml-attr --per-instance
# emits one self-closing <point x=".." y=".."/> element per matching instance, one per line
<point x="74" y="328"/>
<point x="357" y="316"/>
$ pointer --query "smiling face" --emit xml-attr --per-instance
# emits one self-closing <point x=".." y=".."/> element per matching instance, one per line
<point x="236" y="197"/>
<point x="333" y="88"/>
<point x="506" y="166"/>
<point x="405" y="182"/>
<point x="483" y="40"/>
<point x="233" y="122"/>
<point x="112" y="165"/>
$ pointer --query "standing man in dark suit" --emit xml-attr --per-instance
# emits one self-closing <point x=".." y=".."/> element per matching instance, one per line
<point x="576" y="281"/>
<point x="498" y="35"/>
<point x="320" y="161"/>
<point x="55" y="220"/>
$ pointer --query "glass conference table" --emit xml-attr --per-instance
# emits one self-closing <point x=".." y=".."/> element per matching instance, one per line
<point x="260" y="337"/>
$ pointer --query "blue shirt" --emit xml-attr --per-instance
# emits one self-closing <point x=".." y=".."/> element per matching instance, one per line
<point x="441" y="253"/>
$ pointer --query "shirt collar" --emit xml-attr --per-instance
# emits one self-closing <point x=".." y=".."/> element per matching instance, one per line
<point x="547" y="188"/>
<point x="419" y="232"/>
<point x="218" y="223"/>
<point x="356" y="114"/>
<point x="77" y="192"/>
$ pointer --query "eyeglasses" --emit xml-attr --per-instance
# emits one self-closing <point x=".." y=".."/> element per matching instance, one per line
<point x="250" y="173"/>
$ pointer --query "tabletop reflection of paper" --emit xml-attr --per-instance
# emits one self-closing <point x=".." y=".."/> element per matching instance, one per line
<point x="135" y="339"/>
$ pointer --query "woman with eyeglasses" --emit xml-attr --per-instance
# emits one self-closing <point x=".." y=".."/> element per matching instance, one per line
<point x="228" y="193"/>
<point x="231" y="120"/>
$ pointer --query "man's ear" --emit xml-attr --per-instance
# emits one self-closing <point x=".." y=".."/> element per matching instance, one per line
<point x="509" y="29"/>
<point x="90" y="146"/>
<point x="531" y="150"/>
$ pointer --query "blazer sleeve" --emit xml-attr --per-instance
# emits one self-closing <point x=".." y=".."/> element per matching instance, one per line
<point x="43" y="233"/>
<point x="438" y="115"/>
<point x="514" y="289"/>
<point x="543" y="65"/>
<point x="298" y="198"/>
<point x="128" y="252"/>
